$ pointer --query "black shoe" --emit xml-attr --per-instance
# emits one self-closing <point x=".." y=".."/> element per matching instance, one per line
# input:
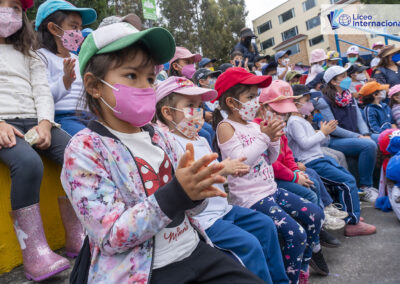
<point x="317" y="262"/>
<point x="327" y="240"/>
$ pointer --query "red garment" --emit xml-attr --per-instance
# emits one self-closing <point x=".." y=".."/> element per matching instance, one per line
<point x="285" y="165"/>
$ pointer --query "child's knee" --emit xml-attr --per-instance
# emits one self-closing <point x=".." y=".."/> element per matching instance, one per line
<point x="28" y="167"/>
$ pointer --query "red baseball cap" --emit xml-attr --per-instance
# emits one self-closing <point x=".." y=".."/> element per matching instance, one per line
<point x="26" y="4"/>
<point x="238" y="75"/>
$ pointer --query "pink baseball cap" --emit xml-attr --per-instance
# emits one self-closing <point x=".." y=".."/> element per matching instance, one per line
<point x="279" y="96"/>
<point x="379" y="43"/>
<point x="183" y="86"/>
<point x="183" y="53"/>
<point x="393" y="90"/>
<point x="317" y="55"/>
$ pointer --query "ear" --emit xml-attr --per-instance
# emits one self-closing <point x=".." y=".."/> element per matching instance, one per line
<point x="230" y="102"/>
<point x="167" y="113"/>
<point x="175" y="65"/>
<point x="53" y="29"/>
<point x="92" y="85"/>
<point x="202" y="82"/>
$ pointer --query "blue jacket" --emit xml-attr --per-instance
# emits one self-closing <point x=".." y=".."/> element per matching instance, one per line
<point x="387" y="76"/>
<point x="246" y="52"/>
<point x="378" y="117"/>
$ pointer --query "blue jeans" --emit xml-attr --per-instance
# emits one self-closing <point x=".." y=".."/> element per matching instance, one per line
<point x="252" y="236"/>
<point x="320" y="190"/>
<point x="302" y="191"/>
<point x="329" y="169"/>
<point x="364" y="149"/>
<point x="72" y="122"/>
<point x="375" y="136"/>
<point x="286" y="208"/>
<point x="207" y="132"/>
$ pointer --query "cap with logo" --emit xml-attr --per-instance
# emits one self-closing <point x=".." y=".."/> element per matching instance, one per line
<point x="353" y="50"/>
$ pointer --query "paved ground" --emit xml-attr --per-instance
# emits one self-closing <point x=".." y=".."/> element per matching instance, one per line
<point x="361" y="260"/>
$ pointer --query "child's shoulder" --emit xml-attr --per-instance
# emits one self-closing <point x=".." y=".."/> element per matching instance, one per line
<point x="85" y="139"/>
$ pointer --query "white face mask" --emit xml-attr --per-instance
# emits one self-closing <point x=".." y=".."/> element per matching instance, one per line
<point x="361" y="77"/>
<point x="318" y="68"/>
<point x="285" y="61"/>
<point x="382" y="95"/>
<point x="249" y="109"/>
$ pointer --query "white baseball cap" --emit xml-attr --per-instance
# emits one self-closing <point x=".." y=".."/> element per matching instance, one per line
<point x="333" y="71"/>
<point x="353" y="50"/>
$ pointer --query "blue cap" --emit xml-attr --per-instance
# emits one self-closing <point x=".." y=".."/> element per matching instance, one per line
<point x="394" y="145"/>
<point x="204" y="61"/>
<point x="281" y="53"/>
<point x="86" y="32"/>
<point x="88" y="15"/>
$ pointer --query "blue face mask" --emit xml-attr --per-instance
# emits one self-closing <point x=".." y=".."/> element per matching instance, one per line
<point x="396" y="57"/>
<point x="345" y="84"/>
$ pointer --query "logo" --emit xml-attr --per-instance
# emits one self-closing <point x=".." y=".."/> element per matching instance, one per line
<point x="344" y="20"/>
<point x="332" y="16"/>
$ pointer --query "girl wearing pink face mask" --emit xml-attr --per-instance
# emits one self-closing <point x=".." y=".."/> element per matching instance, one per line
<point x="59" y="26"/>
<point x="183" y="63"/>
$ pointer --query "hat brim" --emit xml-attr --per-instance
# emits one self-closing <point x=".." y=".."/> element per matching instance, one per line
<point x="334" y="59"/>
<point x="159" y="41"/>
<point x="206" y="94"/>
<point x="196" y="57"/>
<point x="281" y="98"/>
<point x="392" y="51"/>
<point x="284" y="106"/>
<point x="88" y="15"/>
<point x="261" y="81"/>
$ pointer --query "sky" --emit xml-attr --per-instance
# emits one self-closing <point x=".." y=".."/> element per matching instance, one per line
<point x="257" y="8"/>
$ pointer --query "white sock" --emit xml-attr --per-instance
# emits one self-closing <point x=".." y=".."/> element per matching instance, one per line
<point x="316" y="248"/>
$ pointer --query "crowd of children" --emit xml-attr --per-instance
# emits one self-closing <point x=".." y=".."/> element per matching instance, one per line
<point x="233" y="174"/>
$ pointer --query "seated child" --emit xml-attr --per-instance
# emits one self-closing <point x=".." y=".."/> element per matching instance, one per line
<point x="394" y="96"/>
<point x="305" y="144"/>
<point x="248" y="234"/>
<point x="237" y="136"/>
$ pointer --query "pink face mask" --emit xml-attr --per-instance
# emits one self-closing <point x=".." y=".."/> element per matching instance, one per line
<point x="192" y="123"/>
<point x="10" y="22"/>
<point x="188" y="71"/>
<point x="134" y="105"/>
<point x="306" y="108"/>
<point x="71" y="39"/>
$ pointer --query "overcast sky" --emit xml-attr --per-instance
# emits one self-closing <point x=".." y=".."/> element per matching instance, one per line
<point x="257" y="8"/>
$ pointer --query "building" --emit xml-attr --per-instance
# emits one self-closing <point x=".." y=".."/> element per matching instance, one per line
<point x="295" y="25"/>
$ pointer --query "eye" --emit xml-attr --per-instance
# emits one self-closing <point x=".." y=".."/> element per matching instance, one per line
<point x="131" y="76"/>
<point x="151" y="80"/>
<point x="17" y="8"/>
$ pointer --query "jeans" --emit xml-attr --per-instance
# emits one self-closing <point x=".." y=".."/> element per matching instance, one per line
<point x="328" y="168"/>
<point x="298" y="189"/>
<point x="71" y="121"/>
<point x="364" y="149"/>
<point x="207" y="132"/>
<point x="25" y="164"/>
<point x="321" y="191"/>
<point x="252" y="236"/>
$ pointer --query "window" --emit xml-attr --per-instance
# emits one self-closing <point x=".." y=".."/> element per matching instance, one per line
<point x="294" y="49"/>
<point x="267" y="43"/>
<point x="289" y="33"/>
<point x="313" y="22"/>
<point x="264" y="27"/>
<point x="316" y="40"/>
<point x="286" y="16"/>
<point x="307" y="5"/>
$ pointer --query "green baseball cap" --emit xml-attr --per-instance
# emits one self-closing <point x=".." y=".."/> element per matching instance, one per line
<point x="114" y="37"/>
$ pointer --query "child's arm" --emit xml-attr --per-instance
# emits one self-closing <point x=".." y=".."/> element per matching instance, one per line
<point x="234" y="167"/>
<point x="298" y="133"/>
<point x="396" y="114"/>
<point x="372" y="119"/>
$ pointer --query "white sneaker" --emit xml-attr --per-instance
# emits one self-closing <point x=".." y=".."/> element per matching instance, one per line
<point x="333" y="210"/>
<point x="333" y="223"/>
<point x="371" y="194"/>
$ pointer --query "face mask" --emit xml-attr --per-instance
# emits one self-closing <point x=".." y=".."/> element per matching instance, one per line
<point x="306" y="108"/>
<point x="377" y="51"/>
<point x="191" y="124"/>
<point x="285" y="61"/>
<point x="188" y="71"/>
<point x="274" y="77"/>
<point x="10" y="22"/>
<point x="352" y="59"/>
<point x="361" y="77"/>
<point x="211" y="83"/>
<point x="318" y="69"/>
<point x="396" y="57"/>
<point x="269" y="115"/>
<point x="382" y="95"/>
<point x="211" y="69"/>
<point x="249" y="109"/>
<point x="134" y="105"/>
<point x="345" y="83"/>
<point x="237" y="62"/>
<point x="262" y="64"/>
<point x="71" y="39"/>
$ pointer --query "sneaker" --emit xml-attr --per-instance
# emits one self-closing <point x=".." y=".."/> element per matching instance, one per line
<point x="371" y="194"/>
<point x="360" y="229"/>
<point x="334" y="211"/>
<point x="333" y="223"/>
<point x="317" y="262"/>
<point x="328" y="240"/>
<point x="361" y="193"/>
<point x="303" y="279"/>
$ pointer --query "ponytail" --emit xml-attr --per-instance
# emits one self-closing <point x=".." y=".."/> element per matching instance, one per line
<point x="217" y="118"/>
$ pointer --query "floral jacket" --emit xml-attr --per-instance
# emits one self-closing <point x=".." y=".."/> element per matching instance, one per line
<point x="104" y="186"/>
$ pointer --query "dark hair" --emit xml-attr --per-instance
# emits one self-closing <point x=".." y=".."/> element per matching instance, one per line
<point x="24" y="40"/>
<point x="233" y="92"/>
<point x="369" y="99"/>
<point x="392" y="102"/>
<point x="172" y="71"/>
<point x="169" y="100"/>
<point x="45" y="37"/>
<point x="383" y="62"/>
<point x="236" y="53"/>
<point x="99" y="65"/>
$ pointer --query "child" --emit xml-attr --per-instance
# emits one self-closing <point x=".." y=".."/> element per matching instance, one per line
<point x="237" y="137"/>
<point x="318" y="58"/>
<point x="182" y="64"/>
<point x="358" y="76"/>
<point x="59" y="25"/>
<point x="332" y="59"/>
<point x="134" y="209"/>
<point x="293" y="77"/>
<point x="283" y="61"/>
<point x="394" y="95"/>
<point x="305" y="144"/>
<point x="377" y="114"/>
<point x="27" y="106"/>
<point x="250" y="235"/>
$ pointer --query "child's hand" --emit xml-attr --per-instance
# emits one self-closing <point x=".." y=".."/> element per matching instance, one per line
<point x="44" y="131"/>
<point x="234" y="167"/>
<point x="273" y="129"/>
<point x="197" y="178"/>
<point x="69" y="72"/>
<point x="304" y="180"/>
<point x="301" y="166"/>
<point x="7" y="135"/>
<point x="328" y="127"/>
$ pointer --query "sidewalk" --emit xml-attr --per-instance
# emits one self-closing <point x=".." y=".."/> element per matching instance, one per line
<point x="360" y="260"/>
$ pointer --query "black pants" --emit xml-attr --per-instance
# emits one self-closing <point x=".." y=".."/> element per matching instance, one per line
<point x="25" y="164"/>
<point x="204" y="265"/>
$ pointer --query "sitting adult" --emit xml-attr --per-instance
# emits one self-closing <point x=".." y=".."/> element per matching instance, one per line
<point x="351" y="135"/>
<point x="245" y="46"/>
<point x="387" y="71"/>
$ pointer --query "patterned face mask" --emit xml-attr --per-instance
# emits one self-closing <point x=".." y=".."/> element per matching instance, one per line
<point x="71" y="39"/>
<point x="10" y="22"/>
<point x="249" y="109"/>
<point x="192" y="123"/>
